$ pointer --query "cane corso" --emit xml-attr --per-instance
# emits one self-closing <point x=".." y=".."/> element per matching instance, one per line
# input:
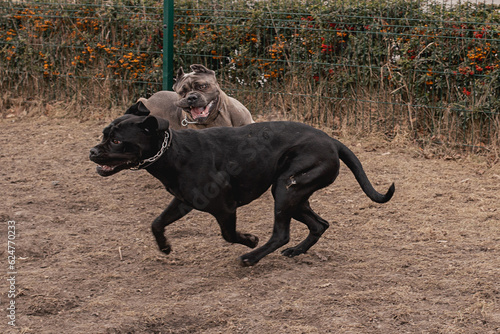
<point x="219" y="169"/>
<point x="197" y="103"/>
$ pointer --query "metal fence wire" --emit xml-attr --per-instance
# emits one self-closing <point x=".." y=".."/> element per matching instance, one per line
<point x="424" y="68"/>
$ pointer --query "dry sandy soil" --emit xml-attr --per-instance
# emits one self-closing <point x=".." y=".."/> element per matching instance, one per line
<point x="426" y="262"/>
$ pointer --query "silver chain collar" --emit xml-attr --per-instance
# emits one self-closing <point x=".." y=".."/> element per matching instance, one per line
<point x="149" y="161"/>
<point x="185" y="121"/>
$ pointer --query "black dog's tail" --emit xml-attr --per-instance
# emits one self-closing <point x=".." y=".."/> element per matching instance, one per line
<point x="348" y="157"/>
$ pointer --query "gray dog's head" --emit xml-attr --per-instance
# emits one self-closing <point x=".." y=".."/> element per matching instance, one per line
<point x="198" y="93"/>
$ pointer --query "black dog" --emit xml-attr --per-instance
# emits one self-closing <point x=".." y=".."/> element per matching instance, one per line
<point x="217" y="170"/>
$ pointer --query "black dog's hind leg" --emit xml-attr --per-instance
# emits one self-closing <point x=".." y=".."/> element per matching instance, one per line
<point x="291" y="193"/>
<point x="227" y="223"/>
<point x="316" y="225"/>
<point x="283" y="209"/>
<point x="280" y="237"/>
<point x="174" y="211"/>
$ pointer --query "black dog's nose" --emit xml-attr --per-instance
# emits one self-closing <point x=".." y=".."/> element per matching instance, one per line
<point x="93" y="153"/>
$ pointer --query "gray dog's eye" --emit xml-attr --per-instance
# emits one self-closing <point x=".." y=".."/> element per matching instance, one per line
<point x="201" y="87"/>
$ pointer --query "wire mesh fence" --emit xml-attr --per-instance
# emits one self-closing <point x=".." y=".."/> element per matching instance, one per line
<point x="424" y="68"/>
<point x="102" y="52"/>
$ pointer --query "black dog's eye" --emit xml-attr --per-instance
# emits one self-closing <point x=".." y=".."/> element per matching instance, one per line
<point x="116" y="141"/>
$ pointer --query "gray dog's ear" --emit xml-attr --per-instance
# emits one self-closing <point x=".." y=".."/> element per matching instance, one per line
<point x="197" y="68"/>
<point x="152" y="124"/>
<point x="180" y="74"/>
<point x="138" y="109"/>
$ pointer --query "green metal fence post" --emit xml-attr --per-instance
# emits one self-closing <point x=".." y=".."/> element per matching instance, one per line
<point x="168" y="44"/>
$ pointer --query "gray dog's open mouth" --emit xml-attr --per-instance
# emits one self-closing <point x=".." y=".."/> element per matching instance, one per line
<point x="202" y="112"/>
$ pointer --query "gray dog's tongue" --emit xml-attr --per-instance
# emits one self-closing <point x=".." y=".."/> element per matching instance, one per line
<point x="201" y="112"/>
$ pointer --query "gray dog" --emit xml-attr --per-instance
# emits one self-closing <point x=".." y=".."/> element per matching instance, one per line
<point x="197" y="103"/>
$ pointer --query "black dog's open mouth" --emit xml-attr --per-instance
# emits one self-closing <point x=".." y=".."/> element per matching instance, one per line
<point x="201" y="113"/>
<point x="107" y="170"/>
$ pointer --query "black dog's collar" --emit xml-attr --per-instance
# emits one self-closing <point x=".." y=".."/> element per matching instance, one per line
<point x="164" y="146"/>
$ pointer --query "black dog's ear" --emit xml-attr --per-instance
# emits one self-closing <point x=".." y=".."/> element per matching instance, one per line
<point x="152" y="124"/>
<point x="198" y="68"/>
<point x="138" y="109"/>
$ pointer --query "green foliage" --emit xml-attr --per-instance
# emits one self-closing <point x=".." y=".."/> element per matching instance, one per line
<point x="68" y="45"/>
<point x="424" y="55"/>
<point x="417" y="54"/>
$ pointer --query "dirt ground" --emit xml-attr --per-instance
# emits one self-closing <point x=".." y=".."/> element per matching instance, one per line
<point x="426" y="262"/>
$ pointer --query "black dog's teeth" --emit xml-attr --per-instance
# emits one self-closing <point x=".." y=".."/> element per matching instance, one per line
<point x="107" y="168"/>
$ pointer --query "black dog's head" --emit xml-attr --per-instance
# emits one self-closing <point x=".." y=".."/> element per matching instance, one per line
<point x="198" y="93"/>
<point x="127" y="141"/>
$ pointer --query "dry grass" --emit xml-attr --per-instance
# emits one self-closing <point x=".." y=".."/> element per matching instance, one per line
<point x="359" y="112"/>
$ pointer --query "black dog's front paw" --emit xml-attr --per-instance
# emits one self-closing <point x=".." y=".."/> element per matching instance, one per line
<point x="247" y="261"/>
<point x="292" y="251"/>
<point x="166" y="249"/>
<point x="250" y="240"/>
